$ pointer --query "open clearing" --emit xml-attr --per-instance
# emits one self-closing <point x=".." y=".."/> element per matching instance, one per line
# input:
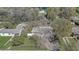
<point x="3" y="40"/>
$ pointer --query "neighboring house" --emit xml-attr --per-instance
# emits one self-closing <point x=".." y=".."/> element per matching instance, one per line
<point x="12" y="32"/>
<point x="8" y="32"/>
<point x="46" y="35"/>
<point x="40" y="31"/>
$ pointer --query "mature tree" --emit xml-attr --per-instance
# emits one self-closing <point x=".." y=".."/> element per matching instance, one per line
<point x="52" y="13"/>
<point x="62" y="29"/>
<point x="67" y="12"/>
<point x="61" y="12"/>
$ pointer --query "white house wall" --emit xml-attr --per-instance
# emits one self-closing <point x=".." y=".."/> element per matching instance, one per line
<point x="30" y="34"/>
<point x="6" y="34"/>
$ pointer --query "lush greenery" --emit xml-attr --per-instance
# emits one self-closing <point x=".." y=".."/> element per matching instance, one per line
<point x="30" y="43"/>
<point x="3" y="41"/>
<point x="60" y="19"/>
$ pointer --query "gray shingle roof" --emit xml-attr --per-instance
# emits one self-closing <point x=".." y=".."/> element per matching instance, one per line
<point x="42" y="29"/>
<point x="44" y="32"/>
<point x="13" y="31"/>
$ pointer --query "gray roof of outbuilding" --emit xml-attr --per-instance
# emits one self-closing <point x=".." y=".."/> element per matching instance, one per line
<point x="14" y="31"/>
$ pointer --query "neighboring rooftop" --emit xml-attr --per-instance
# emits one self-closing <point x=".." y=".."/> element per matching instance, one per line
<point x="42" y="29"/>
<point x="75" y="30"/>
<point x="13" y="31"/>
<point x="74" y="18"/>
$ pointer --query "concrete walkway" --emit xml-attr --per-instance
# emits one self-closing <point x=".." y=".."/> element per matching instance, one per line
<point x="66" y="40"/>
<point x="9" y="47"/>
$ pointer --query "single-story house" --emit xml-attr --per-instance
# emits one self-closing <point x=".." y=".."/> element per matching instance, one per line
<point x="47" y="36"/>
<point x="40" y="31"/>
<point x="12" y="32"/>
<point x="45" y="33"/>
<point x="9" y="32"/>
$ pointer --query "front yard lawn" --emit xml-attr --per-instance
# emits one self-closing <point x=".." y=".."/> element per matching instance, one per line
<point x="3" y="40"/>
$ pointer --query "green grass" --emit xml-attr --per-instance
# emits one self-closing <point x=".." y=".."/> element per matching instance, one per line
<point x="68" y="47"/>
<point x="3" y="40"/>
<point x="29" y="44"/>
